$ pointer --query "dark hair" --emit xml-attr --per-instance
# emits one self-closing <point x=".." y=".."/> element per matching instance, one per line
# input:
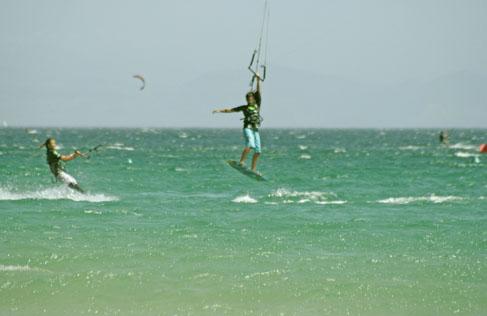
<point x="46" y="142"/>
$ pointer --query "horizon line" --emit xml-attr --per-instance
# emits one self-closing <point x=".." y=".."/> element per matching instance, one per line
<point x="229" y="127"/>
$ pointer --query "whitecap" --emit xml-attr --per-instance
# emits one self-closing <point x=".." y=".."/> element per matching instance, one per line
<point x="302" y="147"/>
<point x="264" y="273"/>
<point x="464" y="146"/>
<point x="95" y="212"/>
<point x="16" y="268"/>
<point x="339" y="202"/>
<point x="244" y="199"/>
<point x="463" y="154"/>
<point x="318" y="197"/>
<point x="119" y="146"/>
<point x="411" y="199"/>
<point x="57" y="193"/>
<point x="305" y="157"/>
<point x="410" y="147"/>
<point x="32" y="131"/>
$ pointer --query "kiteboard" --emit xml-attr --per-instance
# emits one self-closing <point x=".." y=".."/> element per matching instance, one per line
<point x="246" y="171"/>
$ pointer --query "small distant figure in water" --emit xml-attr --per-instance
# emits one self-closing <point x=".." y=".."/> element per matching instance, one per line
<point x="444" y="137"/>
<point x="251" y="124"/>
<point x="55" y="162"/>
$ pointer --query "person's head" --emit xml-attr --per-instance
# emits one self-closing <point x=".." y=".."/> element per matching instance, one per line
<point x="250" y="97"/>
<point x="50" y="143"/>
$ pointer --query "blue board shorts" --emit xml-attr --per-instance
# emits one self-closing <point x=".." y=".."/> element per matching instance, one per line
<point x="252" y="139"/>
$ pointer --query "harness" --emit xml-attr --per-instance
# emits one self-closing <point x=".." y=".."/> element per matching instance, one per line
<point x="252" y="118"/>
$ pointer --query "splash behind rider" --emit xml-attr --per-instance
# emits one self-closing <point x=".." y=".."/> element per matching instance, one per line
<point x="55" y="162"/>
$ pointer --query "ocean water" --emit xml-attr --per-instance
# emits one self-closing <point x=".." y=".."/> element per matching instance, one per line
<point x="351" y="222"/>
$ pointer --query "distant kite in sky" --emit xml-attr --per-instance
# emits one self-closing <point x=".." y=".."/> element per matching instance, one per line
<point x="141" y="79"/>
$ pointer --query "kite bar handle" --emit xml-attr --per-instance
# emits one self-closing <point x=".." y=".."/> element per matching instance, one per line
<point x="254" y="71"/>
<point x="252" y="61"/>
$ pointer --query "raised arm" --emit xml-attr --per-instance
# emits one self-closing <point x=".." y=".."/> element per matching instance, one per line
<point x="257" y="93"/>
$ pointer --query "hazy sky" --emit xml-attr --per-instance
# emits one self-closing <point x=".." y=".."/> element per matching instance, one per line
<point x="70" y="63"/>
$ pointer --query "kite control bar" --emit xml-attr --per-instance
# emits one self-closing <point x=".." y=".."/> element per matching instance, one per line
<point x="254" y="69"/>
<point x="87" y="155"/>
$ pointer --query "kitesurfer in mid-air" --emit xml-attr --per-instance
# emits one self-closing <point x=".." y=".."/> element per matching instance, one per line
<point x="55" y="162"/>
<point x="251" y="124"/>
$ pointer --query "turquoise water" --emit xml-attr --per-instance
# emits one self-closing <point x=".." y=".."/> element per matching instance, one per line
<point x="352" y="222"/>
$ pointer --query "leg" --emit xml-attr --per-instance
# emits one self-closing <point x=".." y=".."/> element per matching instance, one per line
<point x="249" y="144"/>
<point x="257" y="150"/>
<point x="254" y="161"/>
<point x="70" y="181"/>
<point x="76" y="187"/>
<point x="243" y="158"/>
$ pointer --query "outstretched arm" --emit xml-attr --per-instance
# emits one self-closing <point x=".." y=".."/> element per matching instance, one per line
<point x="229" y="110"/>
<point x="223" y="111"/>
<point x="71" y="157"/>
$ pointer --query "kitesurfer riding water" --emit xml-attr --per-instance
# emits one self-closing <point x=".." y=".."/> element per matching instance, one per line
<point x="55" y="162"/>
<point x="251" y="124"/>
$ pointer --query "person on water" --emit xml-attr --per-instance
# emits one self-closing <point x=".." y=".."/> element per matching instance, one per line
<point x="444" y="137"/>
<point x="251" y="124"/>
<point x="55" y="162"/>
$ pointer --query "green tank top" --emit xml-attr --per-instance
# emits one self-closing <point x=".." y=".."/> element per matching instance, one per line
<point x="54" y="161"/>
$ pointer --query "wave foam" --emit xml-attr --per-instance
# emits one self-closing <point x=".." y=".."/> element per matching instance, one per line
<point x="57" y="193"/>
<point x="316" y="197"/>
<point x="244" y="199"/>
<point x="463" y="146"/>
<point x="410" y="147"/>
<point x="339" y="202"/>
<point x="10" y="268"/>
<point x="119" y="146"/>
<point x="410" y="199"/>
<point x="463" y="154"/>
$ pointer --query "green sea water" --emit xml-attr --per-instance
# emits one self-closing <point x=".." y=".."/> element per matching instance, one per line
<point x="351" y="222"/>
